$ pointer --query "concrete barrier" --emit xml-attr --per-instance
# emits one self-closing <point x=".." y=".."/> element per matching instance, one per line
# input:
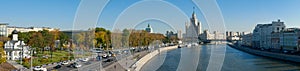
<point x="140" y="63"/>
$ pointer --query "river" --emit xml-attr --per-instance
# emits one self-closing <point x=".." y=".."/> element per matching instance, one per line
<point x="215" y="58"/>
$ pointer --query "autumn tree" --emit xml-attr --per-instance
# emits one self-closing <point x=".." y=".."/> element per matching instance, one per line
<point x="36" y="41"/>
<point x="2" y="53"/>
<point x="102" y="37"/>
<point x="116" y="39"/>
<point x="64" y="40"/>
<point x="143" y="38"/>
<point x="125" y="37"/>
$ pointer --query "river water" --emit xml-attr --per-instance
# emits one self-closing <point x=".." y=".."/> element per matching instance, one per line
<point x="215" y="58"/>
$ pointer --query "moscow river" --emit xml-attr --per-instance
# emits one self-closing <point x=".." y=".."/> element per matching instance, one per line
<point x="215" y="58"/>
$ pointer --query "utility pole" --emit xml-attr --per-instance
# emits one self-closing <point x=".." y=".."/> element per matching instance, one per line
<point x="21" y="59"/>
<point x="31" y="52"/>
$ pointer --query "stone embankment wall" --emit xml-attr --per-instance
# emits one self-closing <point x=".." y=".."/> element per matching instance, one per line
<point x="140" y="63"/>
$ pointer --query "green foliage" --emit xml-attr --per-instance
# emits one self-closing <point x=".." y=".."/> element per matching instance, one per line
<point x="102" y="37"/>
<point x="58" y="56"/>
<point x="2" y="54"/>
<point x="85" y="39"/>
<point x="143" y="38"/>
<point x="41" y="39"/>
<point x="127" y="38"/>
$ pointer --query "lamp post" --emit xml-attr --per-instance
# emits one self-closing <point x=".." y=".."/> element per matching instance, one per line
<point x="21" y="58"/>
<point x="31" y="55"/>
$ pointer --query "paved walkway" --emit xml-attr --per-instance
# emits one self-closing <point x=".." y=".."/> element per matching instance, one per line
<point x="125" y="63"/>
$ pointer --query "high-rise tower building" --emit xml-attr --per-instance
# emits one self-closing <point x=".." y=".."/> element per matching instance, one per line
<point x="193" y="28"/>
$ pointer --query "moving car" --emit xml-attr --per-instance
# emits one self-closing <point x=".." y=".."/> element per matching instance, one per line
<point x="85" y="59"/>
<point x="57" y="66"/>
<point x="105" y="56"/>
<point x="75" y="65"/>
<point x="39" y="68"/>
<point x="65" y="63"/>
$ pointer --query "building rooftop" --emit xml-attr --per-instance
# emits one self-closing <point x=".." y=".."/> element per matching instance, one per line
<point x="291" y="30"/>
<point x="3" y="23"/>
<point x="15" y="32"/>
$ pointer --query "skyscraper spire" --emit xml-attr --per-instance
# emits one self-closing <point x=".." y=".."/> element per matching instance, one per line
<point x="193" y="10"/>
<point x="193" y="15"/>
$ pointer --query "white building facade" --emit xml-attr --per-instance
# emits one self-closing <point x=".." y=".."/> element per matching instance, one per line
<point x="263" y="32"/>
<point x="275" y="40"/>
<point x="28" y="29"/>
<point x="3" y="29"/>
<point x="247" y="39"/>
<point x="206" y="36"/>
<point x="290" y="39"/>
<point x="16" y="49"/>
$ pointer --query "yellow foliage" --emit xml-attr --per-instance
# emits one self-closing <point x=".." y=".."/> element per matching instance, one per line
<point x="2" y="53"/>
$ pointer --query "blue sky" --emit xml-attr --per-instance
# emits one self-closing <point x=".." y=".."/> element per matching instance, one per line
<point x="239" y="15"/>
<point x="38" y="13"/>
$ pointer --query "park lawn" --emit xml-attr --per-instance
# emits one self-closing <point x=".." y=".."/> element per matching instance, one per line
<point x="45" y="58"/>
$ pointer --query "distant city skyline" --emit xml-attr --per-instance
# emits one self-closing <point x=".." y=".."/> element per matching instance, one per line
<point x="239" y="15"/>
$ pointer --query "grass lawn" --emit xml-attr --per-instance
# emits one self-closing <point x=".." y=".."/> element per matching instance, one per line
<point x="45" y="58"/>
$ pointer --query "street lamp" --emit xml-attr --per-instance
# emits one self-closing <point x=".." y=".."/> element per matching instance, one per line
<point x="21" y="52"/>
<point x="31" y="55"/>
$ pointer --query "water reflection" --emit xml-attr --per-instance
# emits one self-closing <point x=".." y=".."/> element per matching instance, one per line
<point x="234" y="60"/>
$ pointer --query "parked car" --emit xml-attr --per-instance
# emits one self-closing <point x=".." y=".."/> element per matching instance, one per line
<point x="65" y="63"/>
<point x="39" y="68"/>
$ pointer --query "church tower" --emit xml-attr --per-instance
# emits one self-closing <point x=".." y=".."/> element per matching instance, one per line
<point x="149" y="29"/>
<point x="15" y="35"/>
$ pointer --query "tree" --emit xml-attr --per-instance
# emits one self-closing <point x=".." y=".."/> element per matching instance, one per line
<point x="116" y="39"/>
<point x="85" y="39"/>
<point x="102" y="38"/>
<point x="3" y="39"/>
<point x="2" y="53"/>
<point x="36" y="41"/>
<point x="64" y="39"/>
<point x="125" y="38"/>
<point x="25" y="36"/>
<point x="143" y="38"/>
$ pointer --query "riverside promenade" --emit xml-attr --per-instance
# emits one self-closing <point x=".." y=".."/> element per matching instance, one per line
<point x="281" y="56"/>
<point x="126" y="63"/>
<point x="131" y="63"/>
<point x="140" y="63"/>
